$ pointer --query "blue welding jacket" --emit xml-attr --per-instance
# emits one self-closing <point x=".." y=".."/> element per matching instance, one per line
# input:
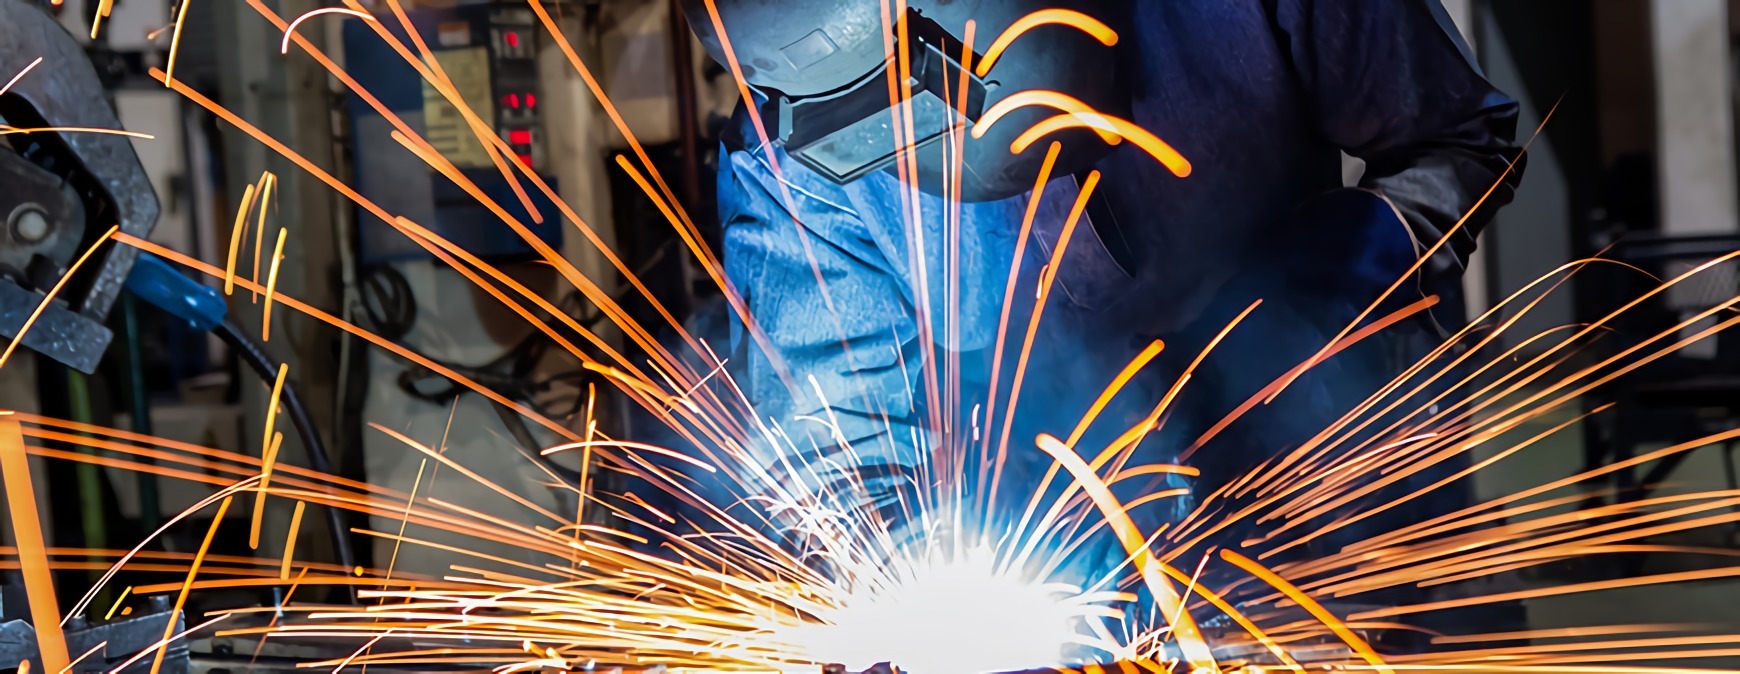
<point x="1262" y="96"/>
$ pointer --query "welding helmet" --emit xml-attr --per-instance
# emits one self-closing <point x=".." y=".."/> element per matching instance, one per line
<point x="823" y="72"/>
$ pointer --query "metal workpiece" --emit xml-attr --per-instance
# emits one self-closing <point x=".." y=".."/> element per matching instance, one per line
<point x="240" y="648"/>
<point x="60" y="190"/>
<point x="120" y="639"/>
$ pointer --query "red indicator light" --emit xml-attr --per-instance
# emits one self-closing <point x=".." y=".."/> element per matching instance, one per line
<point x="526" y="159"/>
<point x="511" y="100"/>
<point x="520" y="136"/>
<point x="531" y="100"/>
<point x="512" y="38"/>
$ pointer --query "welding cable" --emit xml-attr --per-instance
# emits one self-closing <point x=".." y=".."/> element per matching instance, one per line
<point x="164" y="286"/>
<point x="264" y="365"/>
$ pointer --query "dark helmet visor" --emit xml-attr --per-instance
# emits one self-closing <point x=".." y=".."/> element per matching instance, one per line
<point x="848" y="133"/>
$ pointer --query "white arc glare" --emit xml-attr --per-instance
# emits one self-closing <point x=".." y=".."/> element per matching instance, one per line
<point x="950" y="614"/>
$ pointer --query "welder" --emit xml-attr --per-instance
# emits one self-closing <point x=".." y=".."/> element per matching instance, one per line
<point x="1262" y="97"/>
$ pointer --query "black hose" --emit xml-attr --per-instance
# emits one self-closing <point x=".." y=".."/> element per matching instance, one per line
<point x="264" y="365"/>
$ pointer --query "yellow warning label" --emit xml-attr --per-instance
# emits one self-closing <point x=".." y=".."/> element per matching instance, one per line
<point x="444" y="126"/>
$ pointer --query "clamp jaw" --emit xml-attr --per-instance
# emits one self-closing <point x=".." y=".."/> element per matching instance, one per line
<point x="59" y="191"/>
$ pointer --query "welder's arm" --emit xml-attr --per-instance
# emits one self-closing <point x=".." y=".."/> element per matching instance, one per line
<point x="856" y="364"/>
<point x="842" y="360"/>
<point x="1394" y="84"/>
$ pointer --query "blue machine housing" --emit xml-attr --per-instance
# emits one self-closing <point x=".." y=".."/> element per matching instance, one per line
<point x="400" y="182"/>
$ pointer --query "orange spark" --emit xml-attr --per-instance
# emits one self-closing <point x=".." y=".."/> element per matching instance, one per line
<point x="169" y="74"/>
<point x="1153" y="570"/>
<point x="405" y="518"/>
<point x="1355" y="338"/>
<point x="192" y="570"/>
<point x="20" y="75"/>
<point x="24" y="667"/>
<point x="443" y="459"/>
<point x="269" y="443"/>
<point x="1305" y="601"/>
<point x="1063" y="239"/>
<point x="221" y="458"/>
<point x="586" y="458"/>
<point x="237" y="230"/>
<point x="1135" y="365"/>
<point x="104" y="8"/>
<point x="1153" y="469"/>
<point x="58" y="284"/>
<point x="901" y="75"/>
<point x="268" y="184"/>
<point x="27" y="530"/>
<point x="1066" y="17"/>
<point x="118" y="601"/>
<point x="1021" y="239"/>
<point x="272" y="287"/>
<point x="337" y="580"/>
<point x="290" y="541"/>
<point x="625" y="444"/>
<point x="92" y="593"/>
<point x="952" y="225"/>
<point x="1121" y="128"/>
<point x="761" y="133"/>
<point x="12" y="130"/>
<point x="1156" y="496"/>
<point x="649" y="508"/>
<point x="162" y="644"/>
<point x="269" y="458"/>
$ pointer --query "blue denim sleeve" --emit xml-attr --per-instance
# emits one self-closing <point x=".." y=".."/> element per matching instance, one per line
<point x="1393" y="83"/>
<point x="829" y="273"/>
<point x="815" y="281"/>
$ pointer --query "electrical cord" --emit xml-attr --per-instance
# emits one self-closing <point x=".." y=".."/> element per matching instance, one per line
<point x="388" y="300"/>
<point x="515" y="374"/>
<point x="266" y="367"/>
